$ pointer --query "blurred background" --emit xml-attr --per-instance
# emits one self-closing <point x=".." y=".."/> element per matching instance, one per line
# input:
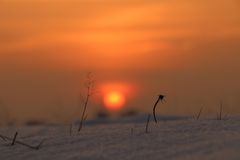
<point x="187" y="50"/>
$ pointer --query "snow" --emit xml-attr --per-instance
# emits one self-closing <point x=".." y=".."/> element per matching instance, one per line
<point x="173" y="138"/>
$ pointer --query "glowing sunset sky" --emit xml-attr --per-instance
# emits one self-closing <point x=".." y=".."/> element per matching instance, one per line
<point x="188" y="50"/>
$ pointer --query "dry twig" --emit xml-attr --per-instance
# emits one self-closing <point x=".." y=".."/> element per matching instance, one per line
<point x="89" y="85"/>
<point x="160" y="98"/>
<point x="219" y="115"/>
<point x="14" y="138"/>
<point x="199" y="113"/>
<point x="147" y="124"/>
<point x="22" y="143"/>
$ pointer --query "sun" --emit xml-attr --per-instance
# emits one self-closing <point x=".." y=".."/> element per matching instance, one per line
<point x="114" y="100"/>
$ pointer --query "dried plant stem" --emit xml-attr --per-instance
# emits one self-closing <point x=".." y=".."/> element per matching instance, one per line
<point x="22" y="143"/>
<point x="160" y="97"/>
<point x="90" y="90"/>
<point x="147" y="124"/>
<point x="154" y="110"/>
<point x="219" y="115"/>
<point x="199" y="113"/>
<point x="14" y="138"/>
<point x="84" y="109"/>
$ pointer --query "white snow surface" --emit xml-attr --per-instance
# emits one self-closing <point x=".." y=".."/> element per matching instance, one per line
<point x="180" y="139"/>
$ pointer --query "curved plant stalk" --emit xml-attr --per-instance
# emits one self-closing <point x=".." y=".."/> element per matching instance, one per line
<point x="160" y="98"/>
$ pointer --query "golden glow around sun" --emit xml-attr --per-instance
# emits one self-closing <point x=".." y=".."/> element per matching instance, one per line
<point x="114" y="100"/>
<point x="115" y="95"/>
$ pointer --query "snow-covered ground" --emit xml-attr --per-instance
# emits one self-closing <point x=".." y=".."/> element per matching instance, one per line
<point x="173" y="138"/>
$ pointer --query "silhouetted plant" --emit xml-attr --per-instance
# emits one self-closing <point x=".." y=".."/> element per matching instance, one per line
<point x="160" y="98"/>
<point x="13" y="140"/>
<point x="147" y="124"/>
<point x="89" y="84"/>
<point x="219" y="114"/>
<point x="199" y="114"/>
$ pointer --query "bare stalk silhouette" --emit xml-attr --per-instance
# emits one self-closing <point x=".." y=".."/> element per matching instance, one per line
<point x="147" y="124"/>
<point x="219" y="115"/>
<point x="14" y="138"/>
<point x="5" y="138"/>
<point x="199" y="114"/>
<point x="160" y="98"/>
<point x="89" y="85"/>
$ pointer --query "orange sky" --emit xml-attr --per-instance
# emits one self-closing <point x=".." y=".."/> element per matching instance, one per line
<point x="185" y="48"/>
